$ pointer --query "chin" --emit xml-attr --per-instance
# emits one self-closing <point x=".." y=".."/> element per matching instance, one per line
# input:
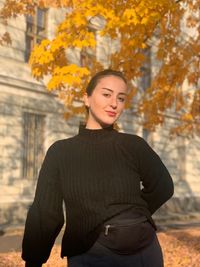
<point x="107" y="123"/>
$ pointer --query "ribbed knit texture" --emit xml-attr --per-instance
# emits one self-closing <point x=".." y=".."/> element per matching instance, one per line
<point x="97" y="173"/>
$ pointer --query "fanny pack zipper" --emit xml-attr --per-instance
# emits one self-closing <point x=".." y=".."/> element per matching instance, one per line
<point x="133" y="222"/>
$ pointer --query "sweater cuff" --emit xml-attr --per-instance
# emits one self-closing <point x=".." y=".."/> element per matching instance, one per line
<point x="33" y="264"/>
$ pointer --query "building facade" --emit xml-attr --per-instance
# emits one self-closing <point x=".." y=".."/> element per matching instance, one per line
<point x="31" y="119"/>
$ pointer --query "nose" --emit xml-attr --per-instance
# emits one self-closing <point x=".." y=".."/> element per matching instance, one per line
<point x="113" y="102"/>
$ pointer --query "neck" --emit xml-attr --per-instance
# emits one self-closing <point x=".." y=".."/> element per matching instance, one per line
<point x="96" y="135"/>
<point x="96" y="126"/>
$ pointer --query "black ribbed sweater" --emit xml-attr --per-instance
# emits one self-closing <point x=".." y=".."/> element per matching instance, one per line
<point x="97" y="173"/>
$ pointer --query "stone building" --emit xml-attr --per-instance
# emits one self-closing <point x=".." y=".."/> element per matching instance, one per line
<point x="31" y="119"/>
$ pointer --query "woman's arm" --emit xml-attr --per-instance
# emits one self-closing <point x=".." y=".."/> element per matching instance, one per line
<point x="157" y="183"/>
<point x="45" y="217"/>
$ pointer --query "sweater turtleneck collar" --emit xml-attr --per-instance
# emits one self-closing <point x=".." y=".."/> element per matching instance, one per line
<point x="95" y="135"/>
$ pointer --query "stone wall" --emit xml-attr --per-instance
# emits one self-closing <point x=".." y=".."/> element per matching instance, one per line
<point x="19" y="93"/>
<point x="16" y="191"/>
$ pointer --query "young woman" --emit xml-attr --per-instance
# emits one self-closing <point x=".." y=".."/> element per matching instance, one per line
<point x="98" y="174"/>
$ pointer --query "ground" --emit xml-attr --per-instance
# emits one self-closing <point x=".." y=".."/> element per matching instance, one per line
<point x="181" y="248"/>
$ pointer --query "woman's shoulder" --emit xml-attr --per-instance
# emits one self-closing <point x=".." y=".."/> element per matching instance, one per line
<point x="132" y="138"/>
<point x="60" y="144"/>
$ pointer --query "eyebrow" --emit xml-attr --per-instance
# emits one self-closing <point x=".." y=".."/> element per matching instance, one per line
<point x="122" y="93"/>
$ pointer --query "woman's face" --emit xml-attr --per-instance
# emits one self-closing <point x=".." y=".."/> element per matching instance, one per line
<point x="106" y="102"/>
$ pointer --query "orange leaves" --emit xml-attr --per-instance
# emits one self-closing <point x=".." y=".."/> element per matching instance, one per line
<point x="13" y="8"/>
<point x="74" y="31"/>
<point x="86" y="39"/>
<point x="180" y="247"/>
<point x="72" y="75"/>
<point x="68" y="81"/>
<point x="131" y="16"/>
<point x="178" y="50"/>
<point x="131" y="95"/>
<point x="44" y="59"/>
<point x="54" y="3"/>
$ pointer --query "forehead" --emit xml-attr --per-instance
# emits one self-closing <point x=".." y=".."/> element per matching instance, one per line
<point x="111" y="82"/>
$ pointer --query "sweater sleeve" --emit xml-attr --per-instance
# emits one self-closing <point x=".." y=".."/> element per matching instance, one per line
<point x="156" y="180"/>
<point x="45" y="216"/>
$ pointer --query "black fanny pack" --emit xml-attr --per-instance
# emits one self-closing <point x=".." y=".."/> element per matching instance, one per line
<point x="127" y="233"/>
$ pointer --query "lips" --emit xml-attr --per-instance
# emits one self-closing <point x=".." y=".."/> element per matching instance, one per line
<point x="111" y="113"/>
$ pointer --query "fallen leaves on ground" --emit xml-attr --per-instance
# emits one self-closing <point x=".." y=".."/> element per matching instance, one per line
<point x="181" y="248"/>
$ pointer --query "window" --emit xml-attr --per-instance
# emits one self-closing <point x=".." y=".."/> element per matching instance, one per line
<point x="88" y="55"/>
<point x="146" y="70"/>
<point x="33" y="144"/>
<point x="35" y="30"/>
<point x="145" y="83"/>
<point x="87" y="58"/>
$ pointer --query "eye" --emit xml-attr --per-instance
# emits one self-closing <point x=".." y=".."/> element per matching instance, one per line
<point x="121" y="99"/>
<point x="106" y="95"/>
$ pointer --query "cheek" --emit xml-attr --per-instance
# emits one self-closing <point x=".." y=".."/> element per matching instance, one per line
<point x="121" y="106"/>
<point x="99" y="102"/>
<point x="94" y="106"/>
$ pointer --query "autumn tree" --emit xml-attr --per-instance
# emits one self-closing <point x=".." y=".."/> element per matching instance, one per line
<point x="168" y="29"/>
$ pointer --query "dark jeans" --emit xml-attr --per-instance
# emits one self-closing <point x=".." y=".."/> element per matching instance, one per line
<point x="100" y="256"/>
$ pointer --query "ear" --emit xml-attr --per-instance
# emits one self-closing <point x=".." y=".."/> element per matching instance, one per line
<point x="86" y="100"/>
